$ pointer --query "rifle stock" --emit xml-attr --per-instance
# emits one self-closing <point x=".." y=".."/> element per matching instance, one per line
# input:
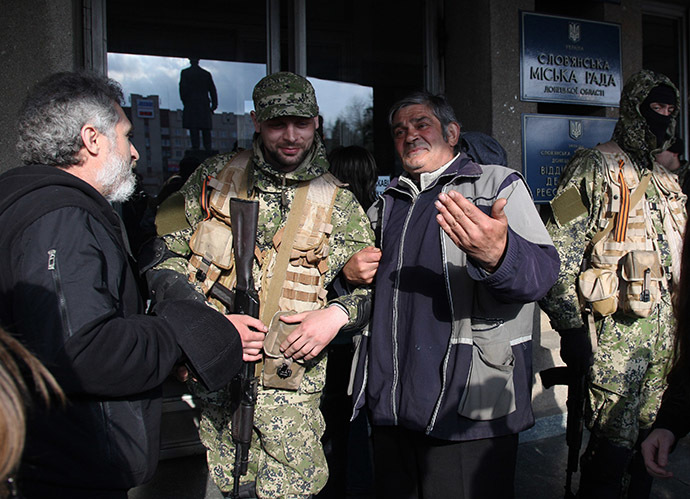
<point x="575" y="422"/>
<point x="243" y="219"/>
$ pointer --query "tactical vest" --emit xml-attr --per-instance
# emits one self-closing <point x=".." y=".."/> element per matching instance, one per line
<point x="290" y="272"/>
<point x="630" y="275"/>
<point x="303" y="285"/>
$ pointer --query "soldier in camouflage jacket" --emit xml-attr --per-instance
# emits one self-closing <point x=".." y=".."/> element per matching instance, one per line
<point x="286" y="457"/>
<point x="628" y="369"/>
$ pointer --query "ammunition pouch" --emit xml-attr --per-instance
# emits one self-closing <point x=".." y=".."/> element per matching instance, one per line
<point x="641" y="275"/>
<point x="280" y="372"/>
<point x="599" y="288"/>
<point x="211" y="246"/>
<point x="634" y="287"/>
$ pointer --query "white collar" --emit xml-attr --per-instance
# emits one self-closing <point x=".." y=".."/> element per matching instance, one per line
<point x="425" y="178"/>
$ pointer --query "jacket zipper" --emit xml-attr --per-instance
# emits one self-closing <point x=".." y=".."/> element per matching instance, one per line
<point x="54" y="270"/>
<point x="396" y="293"/>
<point x="57" y="282"/>
<point x="446" y="358"/>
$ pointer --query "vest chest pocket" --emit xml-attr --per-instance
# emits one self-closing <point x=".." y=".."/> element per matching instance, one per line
<point x="599" y="288"/>
<point x="211" y="246"/>
<point x="641" y="282"/>
<point x="280" y="372"/>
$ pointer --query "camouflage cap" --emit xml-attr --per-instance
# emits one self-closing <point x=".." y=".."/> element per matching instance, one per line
<point x="284" y="94"/>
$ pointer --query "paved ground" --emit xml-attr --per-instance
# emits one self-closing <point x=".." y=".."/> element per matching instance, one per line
<point x="540" y="475"/>
<point x="541" y="471"/>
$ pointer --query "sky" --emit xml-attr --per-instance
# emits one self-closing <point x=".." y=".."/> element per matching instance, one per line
<point x="153" y="75"/>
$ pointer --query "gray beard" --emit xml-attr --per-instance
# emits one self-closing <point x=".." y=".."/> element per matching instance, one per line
<point x="117" y="179"/>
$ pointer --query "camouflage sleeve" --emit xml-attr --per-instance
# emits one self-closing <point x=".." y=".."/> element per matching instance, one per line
<point x="575" y="212"/>
<point x="351" y="233"/>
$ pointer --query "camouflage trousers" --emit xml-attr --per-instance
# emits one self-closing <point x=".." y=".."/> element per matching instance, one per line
<point x="286" y="458"/>
<point x="628" y="377"/>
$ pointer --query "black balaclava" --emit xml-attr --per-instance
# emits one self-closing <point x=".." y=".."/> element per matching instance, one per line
<point x="658" y="123"/>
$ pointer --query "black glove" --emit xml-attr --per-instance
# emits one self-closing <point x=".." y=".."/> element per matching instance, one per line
<point x="576" y="349"/>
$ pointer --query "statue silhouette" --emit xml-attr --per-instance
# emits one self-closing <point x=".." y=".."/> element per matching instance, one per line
<point x="199" y="97"/>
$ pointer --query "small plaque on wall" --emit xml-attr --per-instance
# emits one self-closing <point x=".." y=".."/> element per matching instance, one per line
<point x="571" y="61"/>
<point x="548" y="143"/>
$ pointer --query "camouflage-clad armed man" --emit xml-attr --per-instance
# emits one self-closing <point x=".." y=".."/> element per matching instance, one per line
<point x="622" y="212"/>
<point x="318" y="224"/>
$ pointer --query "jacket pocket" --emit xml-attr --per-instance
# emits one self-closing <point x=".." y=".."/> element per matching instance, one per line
<point x="490" y="391"/>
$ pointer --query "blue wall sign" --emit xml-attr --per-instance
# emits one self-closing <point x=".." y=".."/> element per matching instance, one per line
<point x="549" y="141"/>
<point x="570" y="61"/>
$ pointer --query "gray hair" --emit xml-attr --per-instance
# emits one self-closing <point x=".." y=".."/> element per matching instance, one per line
<point x="56" y="109"/>
<point x="436" y="103"/>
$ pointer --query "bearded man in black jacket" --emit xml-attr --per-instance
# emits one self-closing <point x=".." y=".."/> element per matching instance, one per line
<point x="68" y="292"/>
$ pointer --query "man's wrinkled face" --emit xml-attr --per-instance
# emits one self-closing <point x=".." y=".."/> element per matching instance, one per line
<point x="418" y="139"/>
<point x="286" y="140"/>
<point x="116" y="176"/>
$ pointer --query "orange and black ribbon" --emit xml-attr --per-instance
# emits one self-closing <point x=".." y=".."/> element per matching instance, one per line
<point x="205" y="194"/>
<point x="622" y="217"/>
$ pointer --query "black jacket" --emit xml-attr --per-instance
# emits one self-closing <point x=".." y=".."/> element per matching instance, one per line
<point x="674" y="413"/>
<point x="68" y="292"/>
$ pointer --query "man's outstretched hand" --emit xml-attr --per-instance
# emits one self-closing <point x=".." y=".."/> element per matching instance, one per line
<point x="482" y="237"/>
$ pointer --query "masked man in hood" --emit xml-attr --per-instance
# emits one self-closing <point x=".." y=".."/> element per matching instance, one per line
<point x="304" y="211"/>
<point x="618" y="219"/>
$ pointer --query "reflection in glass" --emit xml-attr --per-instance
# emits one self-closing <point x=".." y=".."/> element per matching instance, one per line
<point x="153" y="104"/>
<point x="348" y="113"/>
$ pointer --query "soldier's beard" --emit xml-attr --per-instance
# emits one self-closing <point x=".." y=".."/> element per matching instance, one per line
<point x="282" y="162"/>
<point x="117" y="179"/>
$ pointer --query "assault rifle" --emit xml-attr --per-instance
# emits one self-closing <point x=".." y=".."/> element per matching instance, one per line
<point x="576" y="406"/>
<point x="244" y="216"/>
